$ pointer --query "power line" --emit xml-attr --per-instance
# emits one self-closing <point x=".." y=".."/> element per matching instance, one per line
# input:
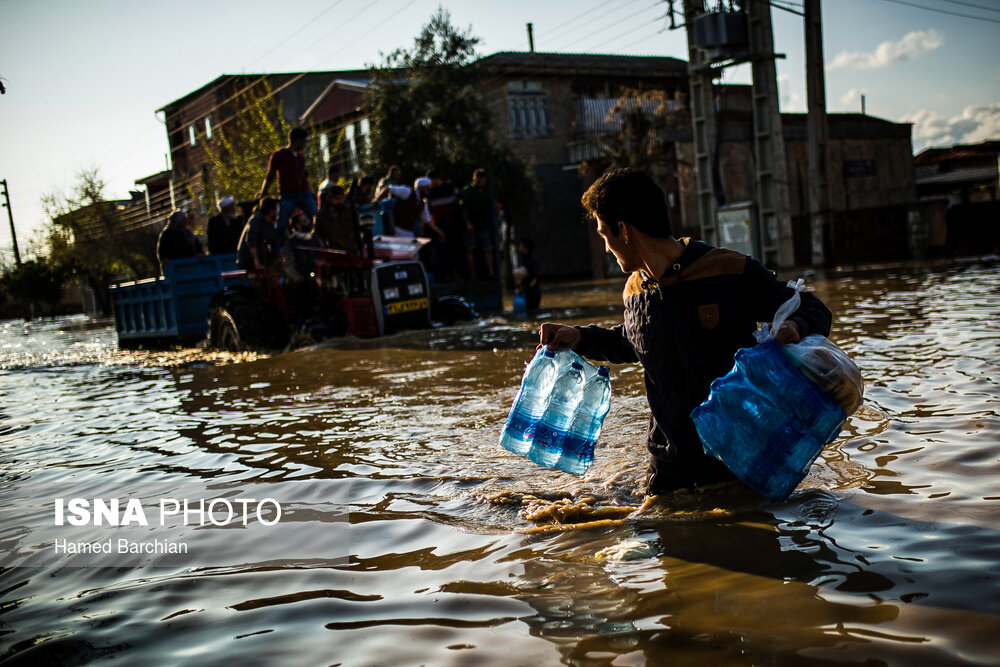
<point x="974" y="6"/>
<point x="559" y="37"/>
<point x="295" y="32"/>
<point x="606" y="27"/>
<point x="574" y="19"/>
<point x="798" y="10"/>
<point x="943" y="11"/>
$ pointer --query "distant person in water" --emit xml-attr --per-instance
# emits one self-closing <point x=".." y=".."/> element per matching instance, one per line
<point x="528" y="274"/>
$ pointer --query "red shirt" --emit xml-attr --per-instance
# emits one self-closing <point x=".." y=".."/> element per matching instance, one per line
<point x="291" y="169"/>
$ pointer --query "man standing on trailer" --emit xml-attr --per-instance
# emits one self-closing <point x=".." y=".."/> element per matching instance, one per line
<point x="289" y="163"/>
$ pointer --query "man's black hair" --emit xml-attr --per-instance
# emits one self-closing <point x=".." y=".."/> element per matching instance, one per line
<point x="628" y="195"/>
<point x="268" y="204"/>
<point x="296" y="133"/>
<point x="433" y="173"/>
<point x="529" y="244"/>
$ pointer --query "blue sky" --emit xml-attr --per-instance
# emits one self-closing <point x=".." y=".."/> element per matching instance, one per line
<point x="84" y="79"/>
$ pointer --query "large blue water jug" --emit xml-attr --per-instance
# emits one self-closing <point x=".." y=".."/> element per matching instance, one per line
<point x="766" y="421"/>
<point x="578" y="447"/>
<point x="530" y="402"/>
<point x="554" y="424"/>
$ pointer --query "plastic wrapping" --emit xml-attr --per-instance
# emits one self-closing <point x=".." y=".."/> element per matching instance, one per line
<point x="830" y="369"/>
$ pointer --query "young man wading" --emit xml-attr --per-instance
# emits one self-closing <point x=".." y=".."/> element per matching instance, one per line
<point x="688" y="308"/>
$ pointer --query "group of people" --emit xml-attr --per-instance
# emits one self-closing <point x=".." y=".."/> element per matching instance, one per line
<point x="462" y="225"/>
<point x="688" y="306"/>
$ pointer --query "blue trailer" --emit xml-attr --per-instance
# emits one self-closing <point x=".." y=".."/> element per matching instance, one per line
<point x="173" y="307"/>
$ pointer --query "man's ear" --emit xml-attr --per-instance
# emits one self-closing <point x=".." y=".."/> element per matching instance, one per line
<point x="624" y="230"/>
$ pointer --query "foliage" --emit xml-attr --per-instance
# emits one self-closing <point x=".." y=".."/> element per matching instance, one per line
<point x="85" y="235"/>
<point x="637" y="126"/>
<point x="36" y="282"/>
<point x="426" y="111"/>
<point x="238" y="151"/>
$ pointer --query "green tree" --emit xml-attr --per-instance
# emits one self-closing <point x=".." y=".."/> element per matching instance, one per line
<point x="254" y="125"/>
<point x="35" y="283"/>
<point x="85" y="235"/>
<point x="426" y="111"/>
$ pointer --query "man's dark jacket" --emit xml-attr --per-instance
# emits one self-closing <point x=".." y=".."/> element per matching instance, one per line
<point x="224" y="235"/>
<point x="685" y="330"/>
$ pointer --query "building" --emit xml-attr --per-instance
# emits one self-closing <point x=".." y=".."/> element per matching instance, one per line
<point x="958" y="189"/>
<point x="569" y="116"/>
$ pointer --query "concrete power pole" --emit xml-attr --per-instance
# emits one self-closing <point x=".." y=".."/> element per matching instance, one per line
<point x="700" y="75"/>
<point x="772" y="172"/>
<point x="818" y="130"/>
<point x="10" y="216"/>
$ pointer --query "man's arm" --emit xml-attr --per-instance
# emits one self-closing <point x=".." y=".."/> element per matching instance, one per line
<point x="272" y="169"/>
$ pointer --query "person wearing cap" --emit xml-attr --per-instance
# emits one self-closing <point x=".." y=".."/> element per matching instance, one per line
<point x="224" y="229"/>
<point x="410" y="213"/>
<point x="177" y="239"/>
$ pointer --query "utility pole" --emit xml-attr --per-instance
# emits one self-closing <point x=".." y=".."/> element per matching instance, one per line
<point x="10" y="216"/>
<point x="772" y="173"/>
<point x="700" y="76"/>
<point x="818" y="131"/>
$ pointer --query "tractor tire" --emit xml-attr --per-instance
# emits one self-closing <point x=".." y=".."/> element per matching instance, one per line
<point x="240" y="324"/>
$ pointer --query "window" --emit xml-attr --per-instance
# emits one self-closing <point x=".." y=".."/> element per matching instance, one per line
<point x="527" y="109"/>
<point x="208" y="127"/>
<point x="192" y="136"/>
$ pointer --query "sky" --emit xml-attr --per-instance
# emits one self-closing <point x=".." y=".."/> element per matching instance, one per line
<point x="83" y="80"/>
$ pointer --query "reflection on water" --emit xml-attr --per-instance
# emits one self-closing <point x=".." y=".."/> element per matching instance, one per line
<point x="889" y="551"/>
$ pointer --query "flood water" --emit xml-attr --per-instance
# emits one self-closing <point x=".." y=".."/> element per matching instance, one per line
<point x="409" y="537"/>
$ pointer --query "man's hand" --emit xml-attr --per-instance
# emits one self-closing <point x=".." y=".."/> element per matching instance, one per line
<point x="788" y="333"/>
<point x="555" y="336"/>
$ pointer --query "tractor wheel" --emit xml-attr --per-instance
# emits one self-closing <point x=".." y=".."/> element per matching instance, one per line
<point x="239" y="325"/>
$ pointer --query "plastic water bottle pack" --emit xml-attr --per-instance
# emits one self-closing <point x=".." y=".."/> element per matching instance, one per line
<point x="772" y="414"/>
<point x="558" y="412"/>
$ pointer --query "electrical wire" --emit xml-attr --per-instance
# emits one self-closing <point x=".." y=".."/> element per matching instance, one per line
<point x="974" y="6"/>
<point x="561" y="37"/>
<point x="574" y="19"/>
<point x="605" y="27"/>
<point x="943" y="11"/>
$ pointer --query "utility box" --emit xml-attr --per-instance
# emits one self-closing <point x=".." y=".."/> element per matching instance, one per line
<point x="735" y="228"/>
<point x="723" y="35"/>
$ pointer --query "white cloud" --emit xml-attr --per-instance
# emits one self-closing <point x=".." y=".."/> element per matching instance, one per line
<point x="911" y="46"/>
<point x="791" y="101"/>
<point x="975" y="124"/>
<point x="852" y="99"/>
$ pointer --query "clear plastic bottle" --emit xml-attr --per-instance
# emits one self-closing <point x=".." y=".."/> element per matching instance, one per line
<point x="552" y="427"/>
<point x="530" y="403"/>
<point x="578" y="447"/>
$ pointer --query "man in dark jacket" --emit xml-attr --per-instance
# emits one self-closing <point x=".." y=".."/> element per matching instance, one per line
<point x="225" y="229"/>
<point x="177" y="240"/>
<point x="688" y="308"/>
<point x="259" y="246"/>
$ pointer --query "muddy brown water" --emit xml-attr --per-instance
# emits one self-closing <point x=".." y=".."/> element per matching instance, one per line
<point x="409" y="537"/>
